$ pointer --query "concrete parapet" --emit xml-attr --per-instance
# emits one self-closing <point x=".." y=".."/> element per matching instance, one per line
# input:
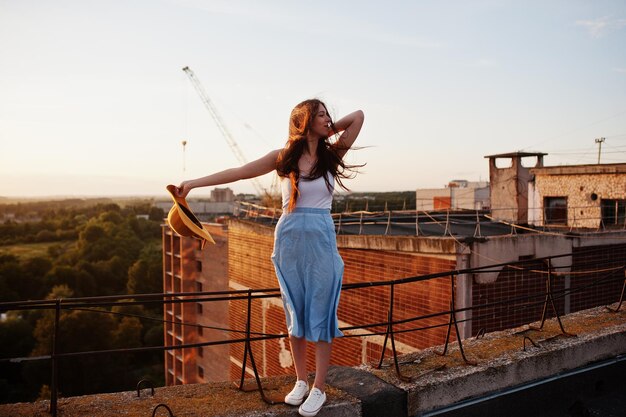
<point x="377" y="397"/>
<point x="503" y="363"/>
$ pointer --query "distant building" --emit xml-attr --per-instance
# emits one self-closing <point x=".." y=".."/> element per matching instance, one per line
<point x="222" y="195"/>
<point x="459" y="194"/>
<point x="222" y="202"/>
<point x="578" y="196"/>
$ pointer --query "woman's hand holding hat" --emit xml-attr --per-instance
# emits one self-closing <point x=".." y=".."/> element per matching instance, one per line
<point x="183" y="189"/>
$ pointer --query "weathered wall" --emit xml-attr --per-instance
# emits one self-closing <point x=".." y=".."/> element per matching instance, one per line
<point x="591" y="276"/>
<point x="582" y="210"/>
<point x="504" y="190"/>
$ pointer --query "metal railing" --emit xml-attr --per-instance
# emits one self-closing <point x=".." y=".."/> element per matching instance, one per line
<point x="605" y="275"/>
<point x="446" y="222"/>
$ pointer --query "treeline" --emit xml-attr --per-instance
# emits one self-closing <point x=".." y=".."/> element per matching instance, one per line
<point x="107" y="250"/>
<point x="393" y="200"/>
<point x="59" y="220"/>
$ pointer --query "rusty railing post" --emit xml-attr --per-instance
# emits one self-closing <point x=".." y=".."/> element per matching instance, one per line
<point x="54" y="388"/>
<point x="456" y="326"/>
<point x="621" y="297"/>
<point x="390" y="334"/>
<point x="550" y="298"/>
<point x="248" y="351"/>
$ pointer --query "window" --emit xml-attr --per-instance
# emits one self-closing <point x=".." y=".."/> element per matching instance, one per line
<point x="555" y="210"/>
<point x="613" y="212"/>
<point x="200" y="372"/>
<point x="200" y="351"/>
<point x="199" y="309"/>
<point x="198" y="266"/>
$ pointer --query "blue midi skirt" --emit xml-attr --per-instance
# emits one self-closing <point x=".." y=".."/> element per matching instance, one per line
<point x="309" y="270"/>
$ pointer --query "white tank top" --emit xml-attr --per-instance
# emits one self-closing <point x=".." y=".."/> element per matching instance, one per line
<point x="313" y="193"/>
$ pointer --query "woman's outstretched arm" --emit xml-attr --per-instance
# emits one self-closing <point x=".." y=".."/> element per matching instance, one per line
<point x="350" y="125"/>
<point x="252" y="169"/>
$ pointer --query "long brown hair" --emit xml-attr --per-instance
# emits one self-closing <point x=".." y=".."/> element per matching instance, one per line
<point x="328" y="159"/>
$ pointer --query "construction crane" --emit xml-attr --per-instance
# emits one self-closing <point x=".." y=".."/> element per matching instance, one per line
<point x="220" y="124"/>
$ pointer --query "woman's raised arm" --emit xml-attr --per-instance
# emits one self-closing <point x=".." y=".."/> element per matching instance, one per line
<point x="252" y="169"/>
<point x="350" y="125"/>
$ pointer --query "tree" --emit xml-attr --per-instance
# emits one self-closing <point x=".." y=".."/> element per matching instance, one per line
<point x="10" y="273"/>
<point x="145" y="276"/>
<point x="19" y="333"/>
<point x="128" y="333"/>
<point x="85" y="331"/>
<point x="80" y="281"/>
<point x="156" y="214"/>
<point x="32" y="284"/>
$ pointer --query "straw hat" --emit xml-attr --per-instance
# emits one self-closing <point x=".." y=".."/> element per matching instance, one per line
<point x="182" y="220"/>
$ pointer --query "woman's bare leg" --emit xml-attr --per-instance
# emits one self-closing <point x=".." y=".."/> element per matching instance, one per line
<point x="322" y="361"/>
<point x="298" y="350"/>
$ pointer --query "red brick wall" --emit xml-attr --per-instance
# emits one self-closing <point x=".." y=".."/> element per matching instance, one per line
<point x="602" y="287"/>
<point x="249" y="257"/>
<point x="250" y="265"/>
<point x="587" y="288"/>
<point x="370" y="305"/>
<point x="513" y="282"/>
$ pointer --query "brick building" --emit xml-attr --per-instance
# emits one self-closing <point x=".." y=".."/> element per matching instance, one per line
<point x="188" y="269"/>
<point x="578" y="196"/>
<point x="375" y="251"/>
<point x="371" y="258"/>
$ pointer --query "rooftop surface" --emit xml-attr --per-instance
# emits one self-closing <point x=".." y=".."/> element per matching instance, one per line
<point x="462" y="223"/>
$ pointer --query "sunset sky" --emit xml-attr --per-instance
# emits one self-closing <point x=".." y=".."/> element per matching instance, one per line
<point x="93" y="99"/>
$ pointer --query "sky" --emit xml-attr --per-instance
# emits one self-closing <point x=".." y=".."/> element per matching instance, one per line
<point x="94" y="102"/>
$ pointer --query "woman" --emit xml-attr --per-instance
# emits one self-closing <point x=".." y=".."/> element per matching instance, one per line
<point x="308" y="266"/>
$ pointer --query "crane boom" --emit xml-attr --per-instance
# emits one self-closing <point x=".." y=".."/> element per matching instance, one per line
<point x="222" y="127"/>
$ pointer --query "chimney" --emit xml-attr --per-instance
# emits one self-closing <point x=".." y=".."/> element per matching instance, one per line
<point x="509" y="186"/>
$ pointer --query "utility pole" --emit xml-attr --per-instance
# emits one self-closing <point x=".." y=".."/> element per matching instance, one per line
<point x="599" y="142"/>
<point x="184" y="143"/>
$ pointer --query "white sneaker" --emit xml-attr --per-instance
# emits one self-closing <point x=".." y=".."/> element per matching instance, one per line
<point x="297" y="394"/>
<point x="313" y="403"/>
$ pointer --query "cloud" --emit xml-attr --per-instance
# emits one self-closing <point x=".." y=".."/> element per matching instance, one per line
<point x="620" y="70"/>
<point x="601" y="26"/>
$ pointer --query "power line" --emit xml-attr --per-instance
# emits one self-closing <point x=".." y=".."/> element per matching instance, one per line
<point x="576" y="129"/>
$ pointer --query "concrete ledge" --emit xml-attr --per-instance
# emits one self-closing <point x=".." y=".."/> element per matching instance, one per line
<point x="377" y="397"/>
<point x="511" y="366"/>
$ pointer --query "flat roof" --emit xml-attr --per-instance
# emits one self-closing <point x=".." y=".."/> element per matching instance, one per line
<point x="593" y="169"/>
<point x="516" y="154"/>
<point x="460" y="224"/>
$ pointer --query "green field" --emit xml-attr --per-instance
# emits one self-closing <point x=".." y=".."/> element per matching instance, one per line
<point x="31" y="250"/>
